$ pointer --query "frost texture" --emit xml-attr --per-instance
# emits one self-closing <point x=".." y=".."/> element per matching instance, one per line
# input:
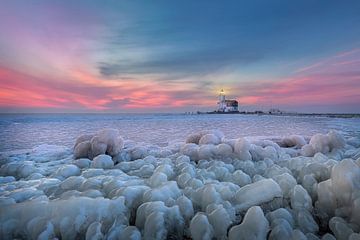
<point x="208" y="187"/>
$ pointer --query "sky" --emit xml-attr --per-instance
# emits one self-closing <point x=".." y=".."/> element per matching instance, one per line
<point x="176" y="56"/>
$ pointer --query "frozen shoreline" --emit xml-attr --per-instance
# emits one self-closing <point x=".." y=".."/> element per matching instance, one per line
<point x="211" y="186"/>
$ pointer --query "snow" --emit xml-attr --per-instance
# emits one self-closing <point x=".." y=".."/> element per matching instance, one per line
<point x="206" y="187"/>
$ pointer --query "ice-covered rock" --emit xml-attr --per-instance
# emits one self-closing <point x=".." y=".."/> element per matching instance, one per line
<point x="220" y="221"/>
<point x="324" y="143"/>
<point x="257" y="193"/>
<point x="242" y="149"/>
<point x="200" y="228"/>
<point x="340" y="228"/>
<point x="300" y="199"/>
<point x="102" y="161"/>
<point x="254" y="226"/>
<point x="106" y="141"/>
<point x="295" y="141"/>
<point x="67" y="171"/>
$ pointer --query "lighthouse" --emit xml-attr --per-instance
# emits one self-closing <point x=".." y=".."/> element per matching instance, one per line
<point x="226" y="105"/>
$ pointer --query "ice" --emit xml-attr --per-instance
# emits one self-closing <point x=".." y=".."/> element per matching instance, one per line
<point x="294" y="141"/>
<point x="94" y="232"/>
<point x="82" y="162"/>
<point x="67" y="171"/>
<point x="220" y="221"/>
<point x="254" y="226"/>
<point x="257" y="193"/>
<point x="107" y="141"/>
<point x="300" y="199"/>
<point x="200" y="228"/>
<point x="324" y="143"/>
<point x="242" y="149"/>
<point x="340" y="228"/>
<point x="240" y="178"/>
<point x="102" y="161"/>
<point x="211" y="188"/>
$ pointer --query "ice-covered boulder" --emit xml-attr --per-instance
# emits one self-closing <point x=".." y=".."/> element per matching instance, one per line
<point x="341" y="191"/>
<point x="102" y="161"/>
<point x="257" y="193"/>
<point x="254" y="226"/>
<point x="83" y="150"/>
<point x="220" y="221"/>
<point x="209" y="139"/>
<point x="190" y="150"/>
<point x="295" y="141"/>
<point x="200" y="228"/>
<point x="106" y="141"/>
<point x="300" y="199"/>
<point x="340" y="228"/>
<point x="205" y="137"/>
<point x="70" y="218"/>
<point x="67" y="171"/>
<point x="242" y="149"/>
<point x="323" y="143"/>
<point x="159" y="221"/>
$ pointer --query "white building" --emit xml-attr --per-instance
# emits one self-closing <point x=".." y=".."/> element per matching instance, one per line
<point x="225" y="105"/>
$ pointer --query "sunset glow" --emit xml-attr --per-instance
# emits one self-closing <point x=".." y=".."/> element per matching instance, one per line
<point x="132" y="57"/>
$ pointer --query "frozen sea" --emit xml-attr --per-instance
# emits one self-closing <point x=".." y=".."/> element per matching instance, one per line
<point x="161" y="176"/>
<point x="25" y="131"/>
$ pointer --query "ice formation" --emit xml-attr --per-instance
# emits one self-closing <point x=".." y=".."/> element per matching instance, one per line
<point x="107" y="141"/>
<point x="208" y="187"/>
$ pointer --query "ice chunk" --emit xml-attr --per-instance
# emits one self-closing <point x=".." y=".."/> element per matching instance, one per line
<point x="323" y="143"/>
<point x="186" y="208"/>
<point x="220" y="221"/>
<point x="293" y="141"/>
<point x="328" y="236"/>
<point x="257" y="193"/>
<point x="94" y="232"/>
<point x="190" y="150"/>
<point x="106" y="141"/>
<point x="240" y="178"/>
<point x="254" y="226"/>
<point x="345" y="178"/>
<point x="209" y="139"/>
<point x="102" y="161"/>
<point x="163" y="192"/>
<point x="83" y="150"/>
<point x="281" y="213"/>
<point x="298" y="235"/>
<point x="206" y="152"/>
<point x="157" y="179"/>
<point x="286" y="182"/>
<point x="280" y="229"/>
<point x="67" y="171"/>
<point x="109" y="138"/>
<point x="340" y="228"/>
<point x="71" y="216"/>
<point x="242" y="149"/>
<point x="306" y="222"/>
<point x="82" y="162"/>
<point x="300" y="199"/>
<point x="200" y="227"/>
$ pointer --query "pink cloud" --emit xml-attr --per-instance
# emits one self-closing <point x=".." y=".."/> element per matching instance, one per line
<point x="332" y="81"/>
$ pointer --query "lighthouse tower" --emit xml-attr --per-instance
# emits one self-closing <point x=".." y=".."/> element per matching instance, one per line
<point x="222" y="102"/>
<point x="227" y="105"/>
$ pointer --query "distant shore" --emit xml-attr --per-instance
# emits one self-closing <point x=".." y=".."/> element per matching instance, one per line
<point x="330" y="115"/>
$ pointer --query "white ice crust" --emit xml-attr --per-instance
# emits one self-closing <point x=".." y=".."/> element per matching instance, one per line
<point x="208" y="187"/>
